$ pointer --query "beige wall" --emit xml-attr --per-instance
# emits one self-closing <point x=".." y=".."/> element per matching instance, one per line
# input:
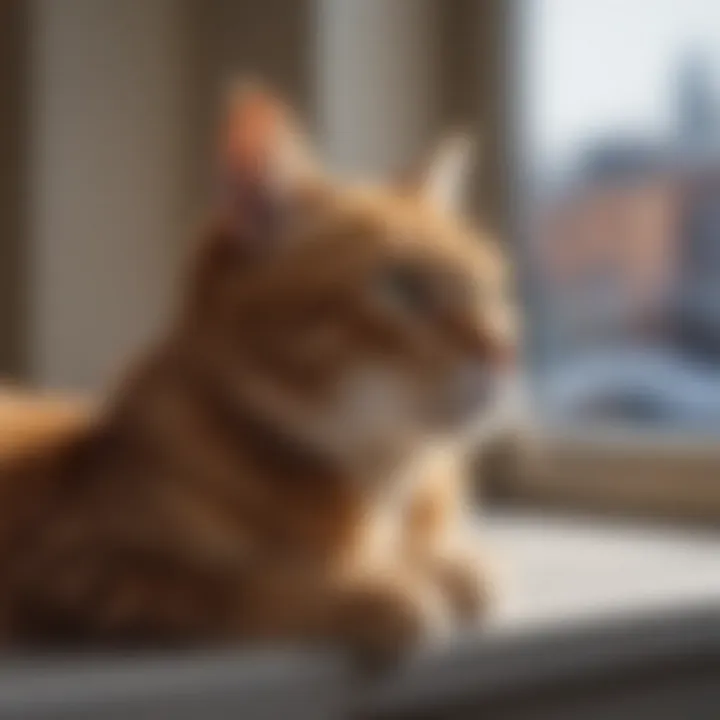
<point x="107" y="176"/>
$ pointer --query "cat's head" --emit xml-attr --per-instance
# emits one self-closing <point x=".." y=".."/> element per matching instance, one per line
<point x="363" y="319"/>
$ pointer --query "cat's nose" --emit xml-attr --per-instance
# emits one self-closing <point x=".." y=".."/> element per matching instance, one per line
<point x="488" y="347"/>
<point x="503" y="356"/>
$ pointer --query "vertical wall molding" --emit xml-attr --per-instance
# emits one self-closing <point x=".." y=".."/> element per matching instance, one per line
<point x="107" y="180"/>
<point x="376" y="82"/>
<point x="473" y="86"/>
<point x="13" y="187"/>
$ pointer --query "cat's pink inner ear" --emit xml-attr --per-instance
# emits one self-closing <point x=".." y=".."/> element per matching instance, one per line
<point x="254" y="126"/>
<point x="264" y="163"/>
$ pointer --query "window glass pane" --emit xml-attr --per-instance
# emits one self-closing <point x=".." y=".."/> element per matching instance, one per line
<point x="620" y="118"/>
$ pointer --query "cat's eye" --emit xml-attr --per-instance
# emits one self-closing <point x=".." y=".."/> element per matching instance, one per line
<point x="406" y="289"/>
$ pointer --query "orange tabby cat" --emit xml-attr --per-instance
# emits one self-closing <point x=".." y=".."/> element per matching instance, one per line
<point x="276" y="467"/>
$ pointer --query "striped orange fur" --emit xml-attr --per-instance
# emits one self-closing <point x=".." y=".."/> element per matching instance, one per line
<point x="282" y="463"/>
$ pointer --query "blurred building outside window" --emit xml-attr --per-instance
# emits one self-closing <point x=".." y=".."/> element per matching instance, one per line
<point x="622" y="176"/>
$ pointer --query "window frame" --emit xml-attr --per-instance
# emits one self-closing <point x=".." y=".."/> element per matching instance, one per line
<point x="646" y="472"/>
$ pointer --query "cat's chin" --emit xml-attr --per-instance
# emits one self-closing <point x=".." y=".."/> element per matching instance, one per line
<point x="484" y="417"/>
<point x="503" y="411"/>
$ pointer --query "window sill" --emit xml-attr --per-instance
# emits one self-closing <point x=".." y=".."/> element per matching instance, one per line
<point x="617" y="470"/>
<point x="583" y="599"/>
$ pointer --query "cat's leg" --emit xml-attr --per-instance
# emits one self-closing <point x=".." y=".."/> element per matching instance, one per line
<point x="377" y="615"/>
<point x="440" y="538"/>
<point x="464" y="573"/>
<point x="135" y="598"/>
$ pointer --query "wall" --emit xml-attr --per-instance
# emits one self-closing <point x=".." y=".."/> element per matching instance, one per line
<point x="106" y="171"/>
<point x="376" y="68"/>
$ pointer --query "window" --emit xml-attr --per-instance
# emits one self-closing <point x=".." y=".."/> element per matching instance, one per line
<point x="619" y="129"/>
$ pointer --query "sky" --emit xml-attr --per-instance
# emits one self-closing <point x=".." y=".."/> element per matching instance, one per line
<point x="606" y="67"/>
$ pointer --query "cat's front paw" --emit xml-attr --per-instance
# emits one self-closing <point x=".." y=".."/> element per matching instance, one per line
<point x="384" y="621"/>
<point x="468" y="584"/>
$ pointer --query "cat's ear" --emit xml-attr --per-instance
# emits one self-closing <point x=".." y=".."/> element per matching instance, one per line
<point x="264" y="163"/>
<point x="443" y="178"/>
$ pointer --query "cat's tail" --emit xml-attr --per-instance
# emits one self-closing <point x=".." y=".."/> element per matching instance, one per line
<point x="30" y="419"/>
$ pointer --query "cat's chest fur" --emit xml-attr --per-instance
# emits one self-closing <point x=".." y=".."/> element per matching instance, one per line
<point x="244" y="493"/>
